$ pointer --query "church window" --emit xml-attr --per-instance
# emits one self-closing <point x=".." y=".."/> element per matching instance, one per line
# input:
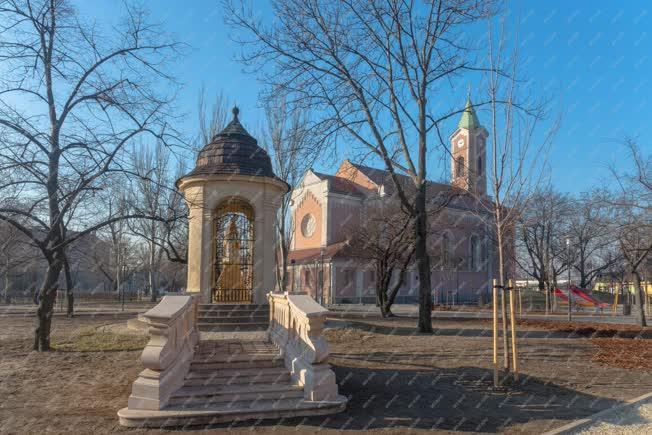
<point x="476" y="254"/>
<point x="479" y="165"/>
<point x="459" y="169"/>
<point x="308" y="224"/>
<point x="444" y="250"/>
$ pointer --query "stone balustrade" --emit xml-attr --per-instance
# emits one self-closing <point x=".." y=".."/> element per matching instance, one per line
<point x="296" y="325"/>
<point x="167" y="355"/>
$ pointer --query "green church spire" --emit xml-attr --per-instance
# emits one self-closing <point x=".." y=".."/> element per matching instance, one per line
<point x="469" y="119"/>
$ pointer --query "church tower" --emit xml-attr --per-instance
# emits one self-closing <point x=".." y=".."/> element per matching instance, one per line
<point x="469" y="153"/>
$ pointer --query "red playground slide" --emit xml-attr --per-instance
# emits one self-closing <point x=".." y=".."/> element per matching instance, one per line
<point x="579" y="298"/>
<point x="584" y="295"/>
<point x="561" y="295"/>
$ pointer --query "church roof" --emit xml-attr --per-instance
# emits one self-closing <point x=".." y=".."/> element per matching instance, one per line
<point x="339" y="184"/>
<point x="469" y="119"/>
<point x="233" y="151"/>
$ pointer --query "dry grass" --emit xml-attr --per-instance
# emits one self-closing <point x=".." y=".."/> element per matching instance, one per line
<point x="91" y="339"/>
<point x="623" y="353"/>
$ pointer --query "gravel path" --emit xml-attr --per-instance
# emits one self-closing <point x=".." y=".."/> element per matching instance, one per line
<point x="631" y="420"/>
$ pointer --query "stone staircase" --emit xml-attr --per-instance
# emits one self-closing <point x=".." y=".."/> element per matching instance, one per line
<point x="231" y="380"/>
<point x="232" y="318"/>
<point x="228" y="374"/>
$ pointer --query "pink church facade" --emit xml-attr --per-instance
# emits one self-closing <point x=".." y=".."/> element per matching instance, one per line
<point x="328" y="211"/>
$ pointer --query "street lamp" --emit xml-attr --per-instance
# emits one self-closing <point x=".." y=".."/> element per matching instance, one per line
<point x="569" y="278"/>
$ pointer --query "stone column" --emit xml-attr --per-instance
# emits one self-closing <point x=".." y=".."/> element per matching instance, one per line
<point x="194" y="200"/>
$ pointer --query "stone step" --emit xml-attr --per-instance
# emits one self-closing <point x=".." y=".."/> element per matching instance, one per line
<point x="232" y="327"/>
<point x="232" y="308"/>
<point x="203" y="396"/>
<point x="272" y="378"/>
<point x="234" y="391"/>
<point x="262" y="319"/>
<point x="173" y="416"/>
<point x="244" y="372"/>
<point x="234" y="357"/>
<point x="266" y="363"/>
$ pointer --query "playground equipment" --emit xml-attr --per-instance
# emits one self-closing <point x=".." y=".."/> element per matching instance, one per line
<point x="579" y="297"/>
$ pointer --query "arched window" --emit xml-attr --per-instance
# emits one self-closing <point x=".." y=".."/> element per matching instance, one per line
<point x="479" y="165"/>
<point x="459" y="169"/>
<point x="233" y="245"/>
<point x="444" y="250"/>
<point x="476" y="253"/>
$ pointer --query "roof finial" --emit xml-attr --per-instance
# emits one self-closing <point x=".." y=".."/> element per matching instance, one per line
<point x="468" y="91"/>
<point x="235" y="111"/>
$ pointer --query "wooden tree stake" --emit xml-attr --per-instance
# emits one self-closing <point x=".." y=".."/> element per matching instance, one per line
<point x="511" y="289"/>
<point x="495" y="331"/>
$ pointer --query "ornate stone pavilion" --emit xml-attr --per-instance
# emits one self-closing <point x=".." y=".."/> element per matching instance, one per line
<point x="195" y="373"/>
<point x="233" y="196"/>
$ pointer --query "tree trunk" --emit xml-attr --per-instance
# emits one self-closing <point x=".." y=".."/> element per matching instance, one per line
<point x="502" y="283"/>
<point x="47" y="296"/>
<point x="152" y="279"/>
<point x="69" y="288"/>
<point x="394" y="291"/>
<point x="284" y="267"/>
<point x="422" y="260"/>
<point x="5" y="295"/>
<point x="639" y="299"/>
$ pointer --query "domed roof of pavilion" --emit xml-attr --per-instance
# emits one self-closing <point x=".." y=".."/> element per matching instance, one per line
<point x="233" y="151"/>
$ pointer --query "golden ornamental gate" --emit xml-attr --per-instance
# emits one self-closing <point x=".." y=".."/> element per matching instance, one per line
<point x="234" y="249"/>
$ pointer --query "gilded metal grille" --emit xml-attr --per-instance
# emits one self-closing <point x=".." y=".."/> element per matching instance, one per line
<point x="234" y="246"/>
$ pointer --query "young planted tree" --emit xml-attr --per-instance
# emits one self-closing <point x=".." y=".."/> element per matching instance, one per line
<point x="516" y="157"/>
<point x="374" y="72"/>
<point x="72" y="97"/>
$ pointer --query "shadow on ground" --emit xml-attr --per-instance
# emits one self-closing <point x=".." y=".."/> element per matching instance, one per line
<point x="460" y="399"/>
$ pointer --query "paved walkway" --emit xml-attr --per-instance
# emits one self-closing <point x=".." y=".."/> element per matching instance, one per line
<point x="632" y="417"/>
<point x="634" y="420"/>
<point x="412" y="311"/>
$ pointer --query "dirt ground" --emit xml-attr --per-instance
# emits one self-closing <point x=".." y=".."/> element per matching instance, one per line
<point x="397" y="381"/>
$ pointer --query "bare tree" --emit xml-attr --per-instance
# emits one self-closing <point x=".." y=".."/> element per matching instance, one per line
<point x="633" y="208"/>
<point x="591" y="236"/>
<point x="152" y="168"/>
<point x="294" y="148"/>
<point x="373" y="71"/>
<point x="213" y="119"/>
<point x="91" y="95"/>
<point x="12" y="256"/>
<point x="387" y="241"/>
<point x="541" y="231"/>
<point x="516" y="156"/>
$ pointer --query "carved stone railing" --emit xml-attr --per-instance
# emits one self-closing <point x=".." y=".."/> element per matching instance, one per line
<point x="173" y="336"/>
<point x="295" y="326"/>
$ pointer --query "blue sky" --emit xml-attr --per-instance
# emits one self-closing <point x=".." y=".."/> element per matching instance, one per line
<point x="592" y="57"/>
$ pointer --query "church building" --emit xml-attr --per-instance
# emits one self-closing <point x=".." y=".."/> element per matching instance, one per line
<point x="328" y="210"/>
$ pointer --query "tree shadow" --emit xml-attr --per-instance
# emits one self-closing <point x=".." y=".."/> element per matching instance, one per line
<point x="459" y="399"/>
